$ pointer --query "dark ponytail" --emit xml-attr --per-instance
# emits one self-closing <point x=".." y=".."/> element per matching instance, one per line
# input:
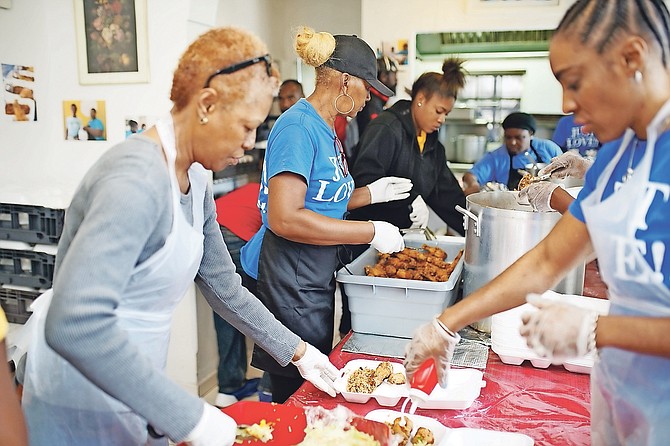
<point x="447" y="84"/>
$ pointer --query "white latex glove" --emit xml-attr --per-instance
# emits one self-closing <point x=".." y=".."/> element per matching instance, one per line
<point x="389" y="189"/>
<point x="215" y="428"/>
<point x="316" y="368"/>
<point x="434" y="340"/>
<point x="559" y="331"/>
<point x="569" y="164"/>
<point x="420" y="213"/>
<point x="387" y="237"/>
<point x="539" y="195"/>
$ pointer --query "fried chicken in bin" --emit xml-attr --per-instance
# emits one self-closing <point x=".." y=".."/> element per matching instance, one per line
<point x="427" y="263"/>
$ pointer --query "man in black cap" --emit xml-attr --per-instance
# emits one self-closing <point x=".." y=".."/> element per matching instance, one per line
<point x="503" y="164"/>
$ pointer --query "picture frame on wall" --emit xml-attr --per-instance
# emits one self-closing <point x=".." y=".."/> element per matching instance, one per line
<point x="112" y="44"/>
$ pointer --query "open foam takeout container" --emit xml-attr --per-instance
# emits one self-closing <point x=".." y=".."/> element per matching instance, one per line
<point x="454" y="437"/>
<point x="463" y="388"/>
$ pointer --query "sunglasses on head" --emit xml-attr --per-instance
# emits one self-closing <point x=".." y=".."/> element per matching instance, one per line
<point x="242" y="65"/>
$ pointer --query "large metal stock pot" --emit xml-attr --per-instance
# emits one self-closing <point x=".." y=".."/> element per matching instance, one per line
<point x="499" y="230"/>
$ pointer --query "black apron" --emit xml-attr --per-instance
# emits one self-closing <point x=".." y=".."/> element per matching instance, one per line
<point x="296" y="282"/>
<point x="514" y="175"/>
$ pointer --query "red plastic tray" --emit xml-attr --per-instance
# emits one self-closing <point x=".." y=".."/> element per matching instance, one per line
<point x="289" y="423"/>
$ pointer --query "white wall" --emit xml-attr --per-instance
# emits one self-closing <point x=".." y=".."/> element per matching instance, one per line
<point x="385" y="21"/>
<point x="273" y="21"/>
<point x="42" y="33"/>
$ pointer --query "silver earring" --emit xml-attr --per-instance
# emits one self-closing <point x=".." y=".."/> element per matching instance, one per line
<point x="638" y="76"/>
<point x="204" y="120"/>
<point x="419" y="104"/>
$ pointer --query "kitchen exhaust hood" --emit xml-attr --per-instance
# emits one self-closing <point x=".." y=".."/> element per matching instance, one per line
<point x="529" y="43"/>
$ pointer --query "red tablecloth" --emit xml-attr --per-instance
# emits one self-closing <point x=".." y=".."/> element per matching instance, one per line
<point x="549" y="405"/>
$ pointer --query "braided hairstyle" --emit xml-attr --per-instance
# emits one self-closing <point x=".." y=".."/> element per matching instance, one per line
<point x="447" y="84"/>
<point x="598" y="23"/>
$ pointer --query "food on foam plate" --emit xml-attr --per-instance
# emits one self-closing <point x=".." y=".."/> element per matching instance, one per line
<point x="261" y="431"/>
<point x="335" y="436"/>
<point x="429" y="263"/>
<point x="423" y="436"/>
<point x="362" y="379"/>
<point x="341" y="426"/>
<point x="403" y="426"/>
<point x="366" y="380"/>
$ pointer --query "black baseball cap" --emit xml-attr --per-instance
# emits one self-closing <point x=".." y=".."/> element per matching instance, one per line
<point x="519" y="120"/>
<point x="352" y="55"/>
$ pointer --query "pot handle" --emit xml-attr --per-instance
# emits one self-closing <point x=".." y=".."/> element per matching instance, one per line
<point x="467" y="214"/>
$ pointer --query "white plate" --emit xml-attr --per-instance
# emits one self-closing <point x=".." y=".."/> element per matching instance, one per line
<point x="463" y="436"/>
<point x="462" y="390"/>
<point x="387" y="416"/>
<point x="386" y="394"/>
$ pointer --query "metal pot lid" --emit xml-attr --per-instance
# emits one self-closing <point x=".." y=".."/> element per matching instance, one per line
<point x="507" y="200"/>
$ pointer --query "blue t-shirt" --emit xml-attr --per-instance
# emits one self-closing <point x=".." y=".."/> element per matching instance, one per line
<point x="97" y="124"/>
<point x="658" y="214"/>
<point x="494" y="166"/>
<point x="569" y="136"/>
<point x="301" y="142"/>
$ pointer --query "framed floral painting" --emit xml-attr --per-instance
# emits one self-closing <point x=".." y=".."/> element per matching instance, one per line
<point x="112" y="41"/>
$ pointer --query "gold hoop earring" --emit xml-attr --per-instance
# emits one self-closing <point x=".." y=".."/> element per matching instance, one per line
<point x="204" y="120"/>
<point x="353" y="104"/>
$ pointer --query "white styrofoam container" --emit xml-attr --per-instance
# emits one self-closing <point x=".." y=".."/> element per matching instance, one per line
<point x="386" y="394"/>
<point x="397" y="307"/>
<point x="511" y="347"/>
<point x="461" y="436"/>
<point x="463" y="388"/>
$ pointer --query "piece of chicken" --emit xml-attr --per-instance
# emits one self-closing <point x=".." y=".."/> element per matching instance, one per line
<point x="383" y="371"/>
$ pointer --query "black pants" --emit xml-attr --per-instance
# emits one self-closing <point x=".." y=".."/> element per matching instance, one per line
<point x="283" y="387"/>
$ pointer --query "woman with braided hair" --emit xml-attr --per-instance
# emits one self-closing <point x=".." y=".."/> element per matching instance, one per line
<point x="612" y="58"/>
<point x="306" y="189"/>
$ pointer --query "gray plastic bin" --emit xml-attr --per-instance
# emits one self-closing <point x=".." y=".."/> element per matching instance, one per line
<point x="397" y="307"/>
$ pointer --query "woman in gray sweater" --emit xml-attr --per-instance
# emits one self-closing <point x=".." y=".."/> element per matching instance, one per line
<point x="141" y="227"/>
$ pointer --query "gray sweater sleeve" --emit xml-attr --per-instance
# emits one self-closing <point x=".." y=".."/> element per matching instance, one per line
<point x="222" y="288"/>
<point x="120" y="215"/>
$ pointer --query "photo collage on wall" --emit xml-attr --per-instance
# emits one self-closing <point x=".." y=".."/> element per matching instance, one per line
<point x="18" y="82"/>
<point x="84" y="120"/>
<point x="137" y="124"/>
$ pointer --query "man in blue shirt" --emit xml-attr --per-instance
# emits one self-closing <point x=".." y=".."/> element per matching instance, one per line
<point x="502" y="165"/>
<point x="95" y="128"/>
